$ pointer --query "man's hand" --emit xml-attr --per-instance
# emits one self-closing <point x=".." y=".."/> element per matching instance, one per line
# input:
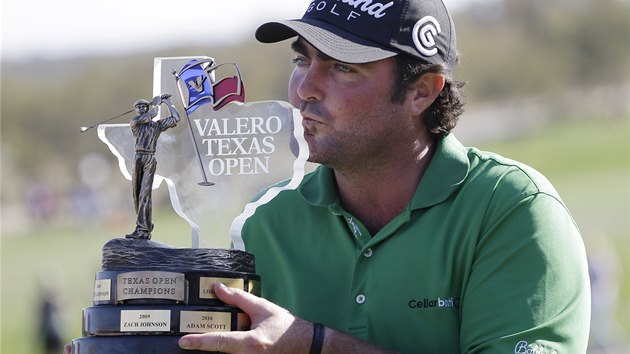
<point x="273" y="329"/>
<point x="156" y="101"/>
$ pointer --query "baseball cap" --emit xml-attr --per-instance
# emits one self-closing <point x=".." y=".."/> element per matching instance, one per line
<point x="141" y="102"/>
<point x="361" y="31"/>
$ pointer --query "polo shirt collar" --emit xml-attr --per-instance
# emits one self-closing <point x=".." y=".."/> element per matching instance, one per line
<point x="319" y="188"/>
<point x="446" y="171"/>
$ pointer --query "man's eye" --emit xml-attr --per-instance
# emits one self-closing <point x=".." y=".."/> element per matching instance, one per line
<point x="343" y="68"/>
<point x="298" y="61"/>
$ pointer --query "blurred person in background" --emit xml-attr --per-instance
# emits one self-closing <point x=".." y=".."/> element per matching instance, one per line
<point x="50" y="324"/>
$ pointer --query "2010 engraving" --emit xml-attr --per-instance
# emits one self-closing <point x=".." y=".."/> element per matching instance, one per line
<point x="204" y="321"/>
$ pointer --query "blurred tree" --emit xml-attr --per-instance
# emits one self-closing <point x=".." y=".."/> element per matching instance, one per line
<point x="527" y="47"/>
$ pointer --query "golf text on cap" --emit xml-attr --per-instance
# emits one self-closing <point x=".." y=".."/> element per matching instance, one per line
<point x="424" y="33"/>
<point x="377" y="9"/>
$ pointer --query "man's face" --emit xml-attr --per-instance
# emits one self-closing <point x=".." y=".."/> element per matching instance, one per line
<point x="141" y="108"/>
<point x="349" y="118"/>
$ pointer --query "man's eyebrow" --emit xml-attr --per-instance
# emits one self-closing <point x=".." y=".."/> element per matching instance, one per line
<point x="298" y="46"/>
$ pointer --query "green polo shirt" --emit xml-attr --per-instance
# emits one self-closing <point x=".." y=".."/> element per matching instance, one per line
<point x="485" y="259"/>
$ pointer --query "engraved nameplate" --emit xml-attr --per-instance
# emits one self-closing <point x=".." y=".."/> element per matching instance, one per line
<point x="205" y="285"/>
<point x="102" y="290"/>
<point x="150" y="285"/>
<point x="204" y="321"/>
<point x="145" y="320"/>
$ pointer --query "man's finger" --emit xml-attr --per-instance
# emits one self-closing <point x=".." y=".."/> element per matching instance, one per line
<point x="67" y="349"/>
<point x="228" y="342"/>
<point x="250" y="304"/>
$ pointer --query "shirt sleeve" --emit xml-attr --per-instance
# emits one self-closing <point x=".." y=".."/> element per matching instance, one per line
<point x="528" y="291"/>
<point x="144" y="117"/>
<point x="168" y="122"/>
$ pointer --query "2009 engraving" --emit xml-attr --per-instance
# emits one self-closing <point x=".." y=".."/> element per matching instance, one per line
<point x="150" y="285"/>
<point x="145" y="321"/>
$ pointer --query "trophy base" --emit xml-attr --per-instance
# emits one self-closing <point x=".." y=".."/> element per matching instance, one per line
<point x="148" y="294"/>
<point x="127" y="344"/>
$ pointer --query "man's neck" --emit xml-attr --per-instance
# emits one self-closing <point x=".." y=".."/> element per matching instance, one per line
<point x="377" y="195"/>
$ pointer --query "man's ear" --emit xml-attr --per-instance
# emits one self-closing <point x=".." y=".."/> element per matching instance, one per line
<point x="425" y="90"/>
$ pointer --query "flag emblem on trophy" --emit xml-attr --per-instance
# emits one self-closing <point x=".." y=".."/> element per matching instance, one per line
<point x="197" y="86"/>
<point x="201" y="87"/>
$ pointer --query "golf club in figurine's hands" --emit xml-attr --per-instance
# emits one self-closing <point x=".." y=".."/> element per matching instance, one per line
<point x="86" y="128"/>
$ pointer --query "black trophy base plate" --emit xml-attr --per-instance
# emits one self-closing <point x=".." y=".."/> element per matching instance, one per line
<point x="130" y="344"/>
<point x="162" y="320"/>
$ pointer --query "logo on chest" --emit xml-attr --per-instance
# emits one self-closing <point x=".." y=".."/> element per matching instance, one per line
<point x="424" y="304"/>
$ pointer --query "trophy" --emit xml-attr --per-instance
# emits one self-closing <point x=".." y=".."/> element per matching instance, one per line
<point x="213" y="160"/>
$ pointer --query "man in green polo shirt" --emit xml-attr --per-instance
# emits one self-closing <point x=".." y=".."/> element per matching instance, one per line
<point x="403" y="240"/>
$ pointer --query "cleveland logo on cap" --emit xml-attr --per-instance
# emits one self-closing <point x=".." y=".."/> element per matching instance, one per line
<point x="424" y="33"/>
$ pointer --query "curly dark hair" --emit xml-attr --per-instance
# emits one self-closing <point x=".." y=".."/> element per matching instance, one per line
<point x="441" y="117"/>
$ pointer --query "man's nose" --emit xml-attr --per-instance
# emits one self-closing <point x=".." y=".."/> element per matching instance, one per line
<point x="310" y="83"/>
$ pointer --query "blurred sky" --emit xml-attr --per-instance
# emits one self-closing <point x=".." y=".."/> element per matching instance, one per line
<point x="62" y="28"/>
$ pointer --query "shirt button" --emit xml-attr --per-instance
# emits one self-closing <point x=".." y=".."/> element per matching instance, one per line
<point x="360" y="299"/>
<point x="368" y="253"/>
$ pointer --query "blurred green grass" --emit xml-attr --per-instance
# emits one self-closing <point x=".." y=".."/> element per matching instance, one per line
<point x="587" y="161"/>
<point x="589" y="164"/>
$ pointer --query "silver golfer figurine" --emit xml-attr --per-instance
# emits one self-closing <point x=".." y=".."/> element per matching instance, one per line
<point x="146" y="132"/>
